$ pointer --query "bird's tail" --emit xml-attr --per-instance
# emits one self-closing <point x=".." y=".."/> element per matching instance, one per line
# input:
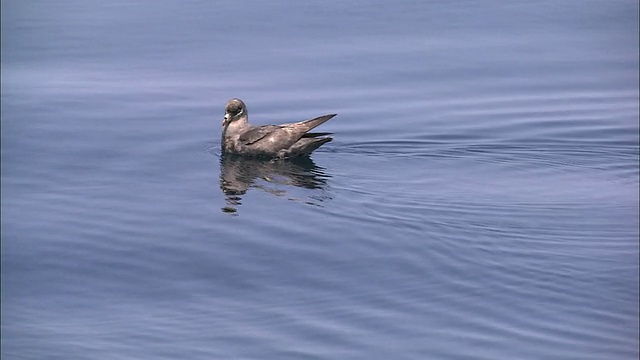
<point x="306" y="146"/>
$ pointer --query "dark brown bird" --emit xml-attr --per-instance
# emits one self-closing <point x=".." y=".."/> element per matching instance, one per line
<point x="269" y="141"/>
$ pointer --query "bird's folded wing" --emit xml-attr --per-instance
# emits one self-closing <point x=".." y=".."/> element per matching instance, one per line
<point x="255" y="134"/>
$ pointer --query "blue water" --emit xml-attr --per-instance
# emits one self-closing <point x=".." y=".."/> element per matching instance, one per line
<point x="479" y="200"/>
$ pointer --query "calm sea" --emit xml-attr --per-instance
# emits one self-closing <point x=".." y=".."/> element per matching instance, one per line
<point x="479" y="201"/>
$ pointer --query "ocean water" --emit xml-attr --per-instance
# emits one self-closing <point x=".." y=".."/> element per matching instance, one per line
<point x="479" y="200"/>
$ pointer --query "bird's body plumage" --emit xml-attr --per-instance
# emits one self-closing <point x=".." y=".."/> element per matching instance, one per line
<point x="269" y="141"/>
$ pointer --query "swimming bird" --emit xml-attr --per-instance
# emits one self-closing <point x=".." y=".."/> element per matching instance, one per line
<point x="269" y="141"/>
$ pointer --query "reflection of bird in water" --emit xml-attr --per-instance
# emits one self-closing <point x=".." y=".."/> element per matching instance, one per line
<point x="269" y="141"/>
<point x="238" y="174"/>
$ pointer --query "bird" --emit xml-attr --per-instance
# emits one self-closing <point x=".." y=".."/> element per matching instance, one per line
<point x="269" y="141"/>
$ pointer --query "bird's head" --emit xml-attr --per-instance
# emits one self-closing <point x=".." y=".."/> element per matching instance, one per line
<point x="233" y="111"/>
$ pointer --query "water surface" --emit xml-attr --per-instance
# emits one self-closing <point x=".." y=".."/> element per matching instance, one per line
<point x="480" y="199"/>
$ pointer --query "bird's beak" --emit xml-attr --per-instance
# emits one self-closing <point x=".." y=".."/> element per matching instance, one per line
<point x="225" y="121"/>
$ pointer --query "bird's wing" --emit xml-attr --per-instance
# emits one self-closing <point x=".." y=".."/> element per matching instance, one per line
<point x="256" y="133"/>
<point x="304" y="126"/>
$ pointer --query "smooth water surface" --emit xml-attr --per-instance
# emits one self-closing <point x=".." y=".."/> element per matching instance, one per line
<point x="479" y="201"/>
